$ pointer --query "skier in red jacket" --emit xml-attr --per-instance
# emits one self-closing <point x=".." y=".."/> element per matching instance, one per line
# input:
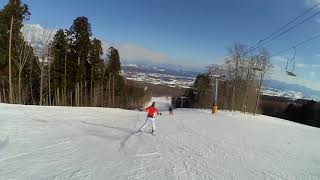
<point x="152" y="112"/>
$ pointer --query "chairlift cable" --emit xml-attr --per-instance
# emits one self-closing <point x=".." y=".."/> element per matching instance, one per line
<point x="286" y="25"/>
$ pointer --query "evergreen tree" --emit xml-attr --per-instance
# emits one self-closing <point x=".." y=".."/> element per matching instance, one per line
<point x="59" y="53"/>
<point x="115" y="80"/>
<point x="79" y="38"/>
<point x="114" y="65"/>
<point x="59" y="66"/>
<point x="97" y="67"/>
<point x="69" y="70"/>
<point x="19" y="12"/>
<point x="11" y="19"/>
<point x="95" y="60"/>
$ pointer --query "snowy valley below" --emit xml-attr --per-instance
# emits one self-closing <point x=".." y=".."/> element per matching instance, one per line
<point x="159" y="75"/>
<point x="167" y="76"/>
<point x="101" y="143"/>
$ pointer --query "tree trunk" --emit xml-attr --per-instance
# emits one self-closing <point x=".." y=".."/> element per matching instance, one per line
<point x="31" y="90"/>
<point x="85" y="94"/>
<point x="258" y="94"/>
<point x="49" y="88"/>
<point x="10" y="73"/>
<point x="76" y="95"/>
<point x="105" y="96"/>
<point x="109" y="91"/>
<point x="71" y="98"/>
<point x="244" y="105"/>
<point x="41" y="85"/>
<point x="65" y="80"/>
<point x="91" y="86"/>
<point x="100" y="95"/>
<point x="113" y="91"/>
<point x="4" y="91"/>
<point x="94" y="95"/>
<point x="78" y="85"/>
<point x="62" y="97"/>
<point x="58" y="97"/>
<point x="81" y="92"/>
<point x="234" y="84"/>
<point x="19" y="85"/>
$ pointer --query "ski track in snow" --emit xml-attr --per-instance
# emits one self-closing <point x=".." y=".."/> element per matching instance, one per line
<point x="98" y="143"/>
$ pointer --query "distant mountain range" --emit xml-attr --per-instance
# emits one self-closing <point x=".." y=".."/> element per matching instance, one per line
<point x="175" y="77"/>
<point x="293" y="91"/>
<point x="159" y="75"/>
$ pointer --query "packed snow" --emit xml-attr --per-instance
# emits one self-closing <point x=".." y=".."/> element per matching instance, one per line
<point x="100" y="143"/>
<point x="157" y="75"/>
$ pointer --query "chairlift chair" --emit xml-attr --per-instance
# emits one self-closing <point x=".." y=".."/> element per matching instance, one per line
<point x="291" y="62"/>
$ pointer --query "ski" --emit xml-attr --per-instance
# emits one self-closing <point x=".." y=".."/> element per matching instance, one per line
<point x="140" y="132"/>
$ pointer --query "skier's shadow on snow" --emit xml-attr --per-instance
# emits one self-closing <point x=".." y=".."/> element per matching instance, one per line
<point x="112" y="127"/>
<point x="126" y="138"/>
<point x="4" y="143"/>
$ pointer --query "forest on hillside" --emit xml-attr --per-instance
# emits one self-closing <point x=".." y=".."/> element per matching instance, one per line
<point x="64" y="68"/>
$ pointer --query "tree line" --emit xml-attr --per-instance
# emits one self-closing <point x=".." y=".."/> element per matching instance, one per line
<point x="67" y="68"/>
<point x="241" y="76"/>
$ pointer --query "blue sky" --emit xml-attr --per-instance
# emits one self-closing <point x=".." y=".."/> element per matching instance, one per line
<point x="190" y="32"/>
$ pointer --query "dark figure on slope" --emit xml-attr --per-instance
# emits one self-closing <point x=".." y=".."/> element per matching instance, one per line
<point x="170" y="110"/>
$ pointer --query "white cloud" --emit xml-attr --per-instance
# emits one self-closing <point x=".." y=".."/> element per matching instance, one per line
<point x="36" y="32"/>
<point x="133" y="52"/>
<point x="278" y="73"/>
<point x="311" y="2"/>
<point x="312" y="74"/>
<point x="136" y="53"/>
<point x="301" y="65"/>
<point x="279" y="59"/>
<point x="306" y="73"/>
<point x="128" y="51"/>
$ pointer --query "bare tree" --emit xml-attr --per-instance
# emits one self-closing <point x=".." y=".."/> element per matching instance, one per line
<point x="24" y="49"/>
<point x="30" y="82"/>
<point x="49" y="75"/>
<point x="237" y="54"/>
<point x="249" y="77"/>
<point x="242" y="83"/>
<point x="42" y="51"/>
<point x="262" y="65"/>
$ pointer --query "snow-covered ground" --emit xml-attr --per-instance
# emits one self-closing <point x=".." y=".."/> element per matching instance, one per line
<point x="98" y="143"/>
<point x="159" y="75"/>
<point x="288" y="94"/>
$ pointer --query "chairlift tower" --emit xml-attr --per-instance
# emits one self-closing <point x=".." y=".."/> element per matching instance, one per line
<point x="215" y="84"/>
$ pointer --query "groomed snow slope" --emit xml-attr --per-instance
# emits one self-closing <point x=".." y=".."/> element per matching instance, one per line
<point x="97" y="143"/>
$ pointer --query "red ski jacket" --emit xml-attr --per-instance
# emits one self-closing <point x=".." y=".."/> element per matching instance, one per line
<point x="152" y="112"/>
